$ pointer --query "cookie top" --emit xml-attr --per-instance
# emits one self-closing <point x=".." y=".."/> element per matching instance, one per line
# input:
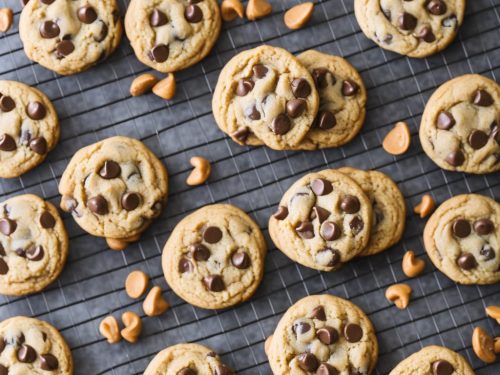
<point x="265" y="95"/>
<point x="433" y="360"/>
<point x="460" y="128"/>
<point x="320" y="334"/>
<point x="187" y="359"/>
<point x="33" y="245"/>
<point x="415" y="28"/>
<point x="114" y="188"/>
<point x="32" y="346"/>
<point x="323" y="220"/>
<point x="462" y="239"/>
<point x="388" y="206"/>
<point x="214" y="257"/>
<point x="68" y="36"/>
<point x="342" y="101"/>
<point x="29" y="128"/>
<point x="170" y="35"/>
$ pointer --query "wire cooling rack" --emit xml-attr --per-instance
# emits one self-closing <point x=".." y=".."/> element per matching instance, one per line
<point x="96" y="104"/>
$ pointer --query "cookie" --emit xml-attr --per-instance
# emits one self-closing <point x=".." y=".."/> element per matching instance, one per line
<point x="114" y="189"/>
<point x="323" y="220"/>
<point x="323" y="334"/>
<point x="33" y="245"/>
<point x="187" y="359"/>
<point x="214" y="257"/>
<point x="433" y="360"/>
<point x="416" y="28"/>
<point x="32" y="346"/>
<point x="388" y="206"/>
<point x="265" y="95"/>
<point x="170" y="35"/>
<point x="342" y="101"/>
<point x="69" y="36"/>
<point x="460" y="127"/>
<point x="462" y="238"/>
<point x="29" y="128"/>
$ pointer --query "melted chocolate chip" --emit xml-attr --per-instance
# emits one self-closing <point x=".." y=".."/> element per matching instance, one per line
<point x="185" y="265"/>
<point x="325" y="120"/>
<point x="280" y="125"/>
<point x="46" y="2"/>
<point x="98" y="205"/>
<point x="47" y="221"/>
<point x="214" y="283"/>
<point x="307" y="362"/>
<point x="130" y="201"/>
<point x="39" y="145"/>
<point x="483" y="98"/>
<point x="455" y="158"/>
<point x="193" y="14"/>
<point x="330" y="231"/>
<point x="199" y="252"/>
<point x="159" y="53"/>
<point x="87" y="14"/>
<point x="353" y="332"/>
<point x="442" y="367"/>
<point x="7" y="143"/>
<point x="318" y="313"/>
<point x="350" y="204"/>
<point x="321" y="186"/>
<point x="407" y="21"/>
<point x="300" y="88"/>
<point x="252" y="113"/>
<point x="349" y="88"/>
<point x="49" y="30"/>
<point x="110" y="169"/>
<point x="487" y="252"/>
<point x="103" y="32"/>
<point x="483" y="226"/>
<point x="320" y="79"/>
<point x="4" y="268"/>
<point x="281" y="213"/>
<point x="241" y="134"/>
<point x="478" y="139"/>
<point x="320" y="213"/>
<point x="187" y="371"/>
<point x="326" y="369"/>
<point x="259" y="71"/>
<point x="295" y="107"/>
<point x="21" y="253"/>
<point x="158" y="18"/>
<point x="64" y="48"/>
<point x="7" y="104"/>
<point x="240" y="260"/>
<point x="36" y="110"/>
<point x="301" y="327"/>
<point x="35" y="253"/>
<point x="305" y="230"/>
<point x="2" y="253"/>
<point x="436" y="7"/>
<point x="245" y="85"/>
<point x="445" y="121"/>
<point x="26" y="354"/>
<point x="7" y="226"/>
<point x="212" y="234"/>
<point x="467" y="261"/>
<point x="356" y="225"/>
<point x="49" y="362"/>
<point x="461" y="228"/>
<point x="327" y="335"/>
<point x="425" y="33"/>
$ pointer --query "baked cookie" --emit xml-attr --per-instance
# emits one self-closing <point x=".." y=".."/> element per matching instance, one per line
<point x="29" y="128"/>
<point x="388" y="206"/>
<point x="170" y="35"/>
<point x="187" y="359"/>
<point x="265" y="95"/>
<point x="33" y="245"/>
<point x="415" y="28"/>
<point x="31" y="346"/>
<point x="342" y="101"/>
<point x="462" y="239"/>
<point x="460" y="128"/>
<point x="433" y="360"/>
<point x="323" y="220"/>
<point x="214" y="257"/>
<point x="323" y="334"/>
<point x="114" y="189"/>
<point x="69" y="36"/>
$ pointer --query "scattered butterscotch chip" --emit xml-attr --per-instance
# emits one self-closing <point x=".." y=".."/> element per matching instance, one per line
<point x="412" y="266"/>
<point x="109" y="329"/>
<point x="297" y="16"/>
<point x="136" y="284"/>
<point x="122" y="243"/>
<point x="142" y="84"/>
<point x="201" y="171"/>
<point x="133" y="326"/>
<point x="493" y="312"/>
<point x="425" y="207"/>
<point x="165" y="88"/>
<point x="496" y="345"/>
<point x="267" y="343"/>
<point x="483" y="345"/>
<point x="6" y="17"/>
<point x="258" y="9"/>
<point x="230" y="9"/>
<point x="155" y="304"/>
<point x="397" y="141"/>
<point x="399" y="294"/>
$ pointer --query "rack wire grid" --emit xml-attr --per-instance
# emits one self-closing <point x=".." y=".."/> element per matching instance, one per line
<point x="96" y="104"/>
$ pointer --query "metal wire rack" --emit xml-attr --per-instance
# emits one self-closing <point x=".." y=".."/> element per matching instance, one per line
<point x="96" y="104"/>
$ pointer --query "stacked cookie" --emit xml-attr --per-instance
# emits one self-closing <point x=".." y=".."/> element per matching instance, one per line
<point x="267" y="96"/>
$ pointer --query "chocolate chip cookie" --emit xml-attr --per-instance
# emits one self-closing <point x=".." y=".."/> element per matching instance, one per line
<point x="462" y="239"/>
<point x="323" y="335"/>
<point x="114" y="189"/>
<point x="323" y="220"/>
<point x="214" y="257"/>
<point x="265" y="95"/>
<point x="31" y="346"/>
<point x="415" y="28"/>
<point x="170" y="35"/>
<point x="460" y="128"/>
<point x="33" y="245"/>
<point x="433" y="360"/>
<point x="69" y="36"/>
<point x="388" y="206"/>
<point x="29" y="128"/>
<point x="187" y="359"/>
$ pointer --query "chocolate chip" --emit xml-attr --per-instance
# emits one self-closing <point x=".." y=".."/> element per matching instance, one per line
<point x="327" y="335"/>
<point x="252" y="113"/>
<point x="487" y="252"/>
<point x="47" y="221"/>
<point x="193" y="14"/>
<point x="87" y="14"/>
<point x="187" y="371"/>
<point x="245" y="85"/>
<point x="46" y="2"/>
<point x="35" y="253"/>
<point x="241" y="134"/>
<point x="467" y="261"/>
<point x="335" y="257"/>
<point x="158" y="18"/>
<point x="7" y="226"/>
<point x="325" y="120"/>
<point x="425" y="33"/>
<point x="39" y="145"/>
<point x="49" y="30"/>
<point x="305" y="230"/>
<point x="326" y="369"/>
<point x="223" y="370"/>
<point x="98" y="205"/>
<point x="442" y="367"/>
<point x="320" y="213"/>
<point x="300" y="88"/>
<point x="445" y="121"/>
<point x="280" y="125"/>
<point x="356" y="225"/>
<point x="321" y="186"/>
<point x="350" y="204"/>
<point x="482" y="98"/>
<point x="2" y="253"/>
<point x="319" y="76"/>
<point x="318" y="313"/>
<point x="159" y="53"/>
<point x="214" y="283"/>
<point x="7" y="104"/>
<point x="103" y="33"/>
<point x="26" y="354"/>
<point x="353" y="332"/>
<point x="130" y="201"/>
<point x="49" y="362"/>
<point x="7" y="143"/>
<point x="436" y="7"/>
<point x="478" y="139"/>
<point x="185" y="265"/>
<point x="483" y="226"/>
<point x="461" y="228"/>
<point x="455" y="158"/>
<point x="295" y="107"/>
<point x="21" y="253"/>
<point x="110" y="169"/>
<point x="301" y="327"/>
<point x="36" y="110"/>
<point x="281" y="213"/>
<point x="240" y="260"/>
<point x="495" y="132"/>
<point x="349" y="88"/>
<point x="330" y="231"/>
<point x="307" y="362"/>
<point x="259" y="71"/>
<point x="4" y="268"/>
<point x="4" y="370"/>
<point x="407" y="21"/>
<point x="64" y="48"/>
<point x="212" y="234"/>
<point x="199" y="252"/>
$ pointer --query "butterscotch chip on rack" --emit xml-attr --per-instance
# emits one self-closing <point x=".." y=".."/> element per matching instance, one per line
<point x="398" y="140"/>
<point x="154" y="304"/>
<point x="297" y="16"/>
<point x="258" y="9"/>
<point x="399" y="294"/>
<point x="425" y="207"/>
<point x="411" y="265"/>
<point x="110" y="330"/>
<point x="6" y="17"/>
<point x="136" y="284"/>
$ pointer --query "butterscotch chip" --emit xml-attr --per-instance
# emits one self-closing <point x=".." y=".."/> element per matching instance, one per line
<point x="110" y="330"/>
<point x="397" y="141"/>
<point x="165" y="88"/>
<point x="425" y="207"/>
<point x="399" y="294"/>
<point x="230" y="9"/>
<point x="483" y="346"/>
<point x="411" y="265"/>
<point x="201" y="171"/>
<point x="142" y="84"/>
<point x="496" y="345"/>
<point x="258" y="9"/>
<point x="297" y="16"/>
<point x="493" y="312"/>
<point x="136" y="284"/>
<point x="133" y="326"/>
<point x="6" y="17"/>
<point x="155" y="304"/>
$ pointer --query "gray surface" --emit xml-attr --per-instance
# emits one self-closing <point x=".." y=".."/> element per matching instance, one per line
<point x="96" y="104"/>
